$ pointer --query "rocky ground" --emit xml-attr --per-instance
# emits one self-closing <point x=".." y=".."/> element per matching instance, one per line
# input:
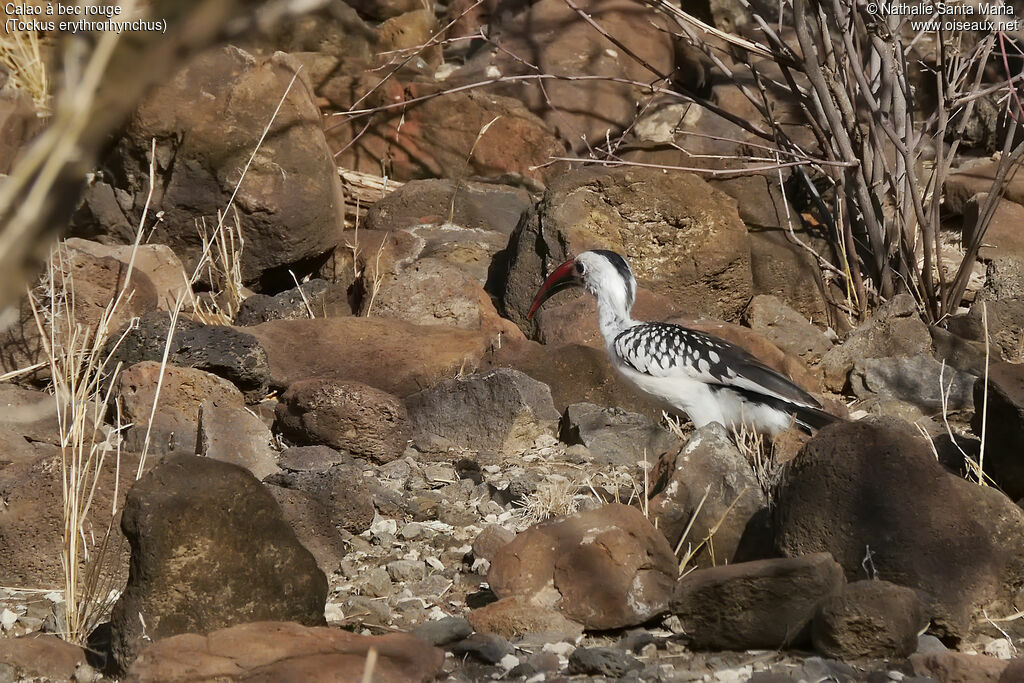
<point x="389" y="468"/>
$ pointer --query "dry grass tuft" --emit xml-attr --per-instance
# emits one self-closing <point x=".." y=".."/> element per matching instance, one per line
<point x="21" y="53"/>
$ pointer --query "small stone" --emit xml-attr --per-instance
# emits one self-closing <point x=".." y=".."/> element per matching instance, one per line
<point x="602" y="661"/>
<point x="443" y="631"/>
<point x="489" y="541"/>
<point x="376" y="583"/>
<point x="312" y="458"/>
<point x="406" y="571"/>
<point x="366" y="610"/>
<point x="485" y="647"/>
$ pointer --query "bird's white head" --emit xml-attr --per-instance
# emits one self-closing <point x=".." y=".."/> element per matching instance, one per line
<point x="604" y="274"/>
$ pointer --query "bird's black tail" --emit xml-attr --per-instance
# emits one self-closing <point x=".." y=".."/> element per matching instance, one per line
<point x="811" y="419"/>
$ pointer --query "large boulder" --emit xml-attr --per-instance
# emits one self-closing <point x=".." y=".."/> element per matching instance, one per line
<point x="290" y="204"/>
<point x="604" y="568"/>
<point x="684" y="240"/>
<point x="874" y="496"/>
<point x="209" y="549"/>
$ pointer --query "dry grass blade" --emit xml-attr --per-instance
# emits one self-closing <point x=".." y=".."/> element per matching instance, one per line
<point x="21" y="54"/>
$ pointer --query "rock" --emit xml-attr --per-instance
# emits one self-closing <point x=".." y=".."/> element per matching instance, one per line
<point x="209" y="549"/>
<point x="232" y="434"/>
<point x="962" y="354"/>
<point x="786" y="328"/>
<point x="515" y="617"/>
<point x="1004" y="431"/>
<point x="603" y="661"/>
<point x="364" y="421"/>
<point x="157" y="261"/>
<point x="440" y="136"/>
<point x="434" y="292"/>
<point x="766" y="604"/>
<point x="785" y="270"/>
<point x="42" y="656"/>
<point x="875" y="619"/>
<point x="709" y="478"/>
<point x="226" y="352"/>
<point x="332" y="30"/>
<point x="1002" y="301"/>
<point x="977" y="177"/>
<point x="665" y="225"/>
<point x="92" y="283"/>
<point x="1003" y="236"/>
<point x="489" y="541"/>
<point x="918" y="380"/>
<point x="19" y="123"/>
<point x="552" y="36"/>
<point x="406" y="571"/>
<point x="411" y="31"/>
<point x="575" y="374"/>
<point x="183" y="391"/>
<point x="285" y="651"/>
<point x="959" y="667"/>
<point x="484" y="647"/>
<point x="469" y="206"/>
<point x="501" y="409"/>
<point x="291" y="205"/>
<point x="321" y="298"/>
<point x="32" y="522"/>
<point x="387" y="354"/>
<point x="314" y="526"/>
<point x="28" y="424"/>
<point x="443" y="631"/>
<point x="312" y="458"/>
<point x="604" y="568"/>
<point x="340" y="491"/>
<point x="894" y="331"/>
<point x="613" y="436"/>
<point x="864" y="486"/>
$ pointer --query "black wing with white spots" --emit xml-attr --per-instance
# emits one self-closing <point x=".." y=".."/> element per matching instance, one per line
<point x="666" y="350"/>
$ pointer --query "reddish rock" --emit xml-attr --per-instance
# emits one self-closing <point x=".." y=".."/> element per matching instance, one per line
<point x="233" y="434"/>
<point x="552" y="36"/>
<point x="976" y="177"/>
<point x="364" y="421"/>
<point x="175" y="425"/>
<point x="28" y="424"/>
<point x="960" y="667"/>
<point x="161" y="265"/>
<point x="786" y="328"/>
<point x="286" y="651"/>
<point x="766" y="604"/>
<point x="604" y="568"/>
<point x="45" y="656"/>
<point x="489" y="541"/>
<point x="391" y="355"/>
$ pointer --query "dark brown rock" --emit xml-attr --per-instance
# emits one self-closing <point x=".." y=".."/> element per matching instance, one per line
<point x="313" y="299"/>
<point x="209" y="549"/>
<point x="340" y="491"/>
<point x="874" y="619"/>
<point x="614" y="436"/>
<point x="959" y="667"/>
<point x="785" y="270"/>
<point x="291" y="205"/>
<point x="28" y="424"/>
<point x="388" y="354"/>
<point x="285" y="651"/>
<point x="313" y="525"/>
<point x="161" y="265"/>
<point x="786" y="328"/>
<point x="710" y="488"/>
<point x="766" y="604"/>
<point x="861" y="486"/>
<point x="503" y="410"/>
<point x="1003" y="236"/>
<point x="683" y="239"/>
<point x="364" y="421"/>
<point x="977" y="177"/>
<point x="1004" y="428"/>
<point x="604" y="568"/>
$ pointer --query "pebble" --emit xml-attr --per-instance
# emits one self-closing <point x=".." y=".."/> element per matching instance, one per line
<point x="406" y="571"/>
<point x="602" y="661"/>
<point x="485" y="647"/>
<point x="377" y="583"/>
<point x="443" y="631"/>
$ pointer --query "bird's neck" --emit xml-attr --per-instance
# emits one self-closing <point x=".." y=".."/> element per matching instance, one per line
<point x="612" y="317"/>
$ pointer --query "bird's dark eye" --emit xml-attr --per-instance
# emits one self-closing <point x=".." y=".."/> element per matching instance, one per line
<point x="579" y="268"/>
